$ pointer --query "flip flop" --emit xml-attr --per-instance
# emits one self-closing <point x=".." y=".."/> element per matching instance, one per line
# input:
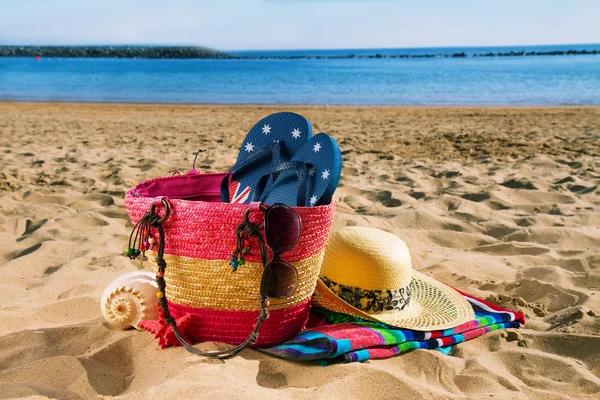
<point x="309" y="178"/>
<point x="273" y="139"/>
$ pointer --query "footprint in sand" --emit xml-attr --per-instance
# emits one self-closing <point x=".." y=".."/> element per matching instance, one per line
<point x="554" y="296"/>
<point x="349" y="171"/>
<point x="384" y="197"/>
<point x="92" y="201"/>
<point x="564" y="180"/>
<point x="110" y="370"/>
<point x="80" y="221"/>
<point x="21" y="253"/>
<point x="145" y="165"/>
<point x="65" y="352"/>
<point x="522" y="183"/>
<point x="416" y="195"/>
<point x="525" y="222"/>
<point x="27" y="227"/>
<point x="273" y="374"/>
<point x="571" y="376"/>
<point x="511" y="249"/>
<point x="36" y="198"/>
<point x="500" y="231"/>
<point x="580" y="189"/>
<point x="476" y="197"/>
<point x="53" y="269"/>
<point x="447" y="174"/>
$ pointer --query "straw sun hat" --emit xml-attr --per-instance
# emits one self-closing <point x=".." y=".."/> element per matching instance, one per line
<point x="367" y="273"/>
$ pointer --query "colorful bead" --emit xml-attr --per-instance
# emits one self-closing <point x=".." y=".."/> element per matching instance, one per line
<point x="160" y="295"/>
<point x="241" y="261"/>
<point x="142" y="247"/>
<point x="151" y="240"/>
<point x="129" y="251"/>
<point x="246" y="243"/>
<point x="136" y="252"/>
<point x="160" y="274"/>
<point x="147" y="244"/>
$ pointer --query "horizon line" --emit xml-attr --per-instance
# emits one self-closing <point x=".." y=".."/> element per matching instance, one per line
<point x="297" y="49"/>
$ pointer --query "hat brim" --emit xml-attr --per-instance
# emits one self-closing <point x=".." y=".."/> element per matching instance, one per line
<point x="433" y="306"/>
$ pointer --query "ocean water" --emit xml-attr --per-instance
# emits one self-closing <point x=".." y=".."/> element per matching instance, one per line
<point x="532" y="80"/>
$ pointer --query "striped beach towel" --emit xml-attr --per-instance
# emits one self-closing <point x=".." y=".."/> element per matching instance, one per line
<point x="333" y="337"/>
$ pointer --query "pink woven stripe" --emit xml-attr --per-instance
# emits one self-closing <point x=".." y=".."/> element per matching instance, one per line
<point x="190" y="186"/>
<point x="233" y="327"/>
<point x="206" y="230"/>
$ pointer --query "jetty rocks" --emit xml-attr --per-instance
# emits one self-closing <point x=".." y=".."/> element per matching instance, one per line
<point x="111" y="52"/>
<point x="187" y="52"/>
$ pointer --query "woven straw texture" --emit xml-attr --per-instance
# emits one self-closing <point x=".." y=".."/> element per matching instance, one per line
<point x="211" y="283"/>
<point x="205" y="230"/>
<point x="230" y="326"/>
<point x="199" y="238"/>
<point x="371" y="259"/>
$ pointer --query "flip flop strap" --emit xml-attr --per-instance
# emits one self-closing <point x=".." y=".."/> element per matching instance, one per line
<point x="273" y="149"/>
<point x="304" y="184"/>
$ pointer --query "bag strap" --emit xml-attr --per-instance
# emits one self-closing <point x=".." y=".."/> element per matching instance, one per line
<point x="155" y="221"/>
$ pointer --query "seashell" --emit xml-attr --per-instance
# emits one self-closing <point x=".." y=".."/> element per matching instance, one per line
<point x="130" y="298"/>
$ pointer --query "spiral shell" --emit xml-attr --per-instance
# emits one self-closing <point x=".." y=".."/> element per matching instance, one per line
<point x="130" y="298"/>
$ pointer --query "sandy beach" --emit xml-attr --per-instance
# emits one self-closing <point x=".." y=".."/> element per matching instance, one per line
<point x="502" y="203"/>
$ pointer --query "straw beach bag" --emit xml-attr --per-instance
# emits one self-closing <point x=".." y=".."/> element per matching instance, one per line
<point x="223" y="303"/>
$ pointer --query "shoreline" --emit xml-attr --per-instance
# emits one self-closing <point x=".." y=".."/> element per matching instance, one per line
<point x="269" y="105"/>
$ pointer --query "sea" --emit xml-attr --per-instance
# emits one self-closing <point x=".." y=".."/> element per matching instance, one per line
<point x="463" y="81"/>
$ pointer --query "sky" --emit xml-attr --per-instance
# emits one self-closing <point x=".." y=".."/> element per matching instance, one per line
<point x="300" y="24"/>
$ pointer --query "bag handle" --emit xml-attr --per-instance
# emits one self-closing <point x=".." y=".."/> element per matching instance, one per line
<point x="156" y="221"/>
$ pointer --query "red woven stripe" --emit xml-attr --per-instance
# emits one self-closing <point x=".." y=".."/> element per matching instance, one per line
<point x="233" y="327"/>
<point x="206" y="230"/>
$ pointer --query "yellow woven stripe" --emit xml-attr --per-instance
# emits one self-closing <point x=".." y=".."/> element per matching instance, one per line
<point x="213" y="284"/>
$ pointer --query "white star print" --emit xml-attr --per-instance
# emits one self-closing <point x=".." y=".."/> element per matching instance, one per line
<point x="313" y="200"/>
<point x="266" y="129"/>
<point x="311" y="171"/>
<point x="249" y="147"/>
<point x="296" y="133"/>
<point x="317" y="147"/>
<point x="325" y="174"/>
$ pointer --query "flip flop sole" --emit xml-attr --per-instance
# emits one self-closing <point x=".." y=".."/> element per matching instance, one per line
<point x="322" y="155"/>
<point x="290" y="130"/>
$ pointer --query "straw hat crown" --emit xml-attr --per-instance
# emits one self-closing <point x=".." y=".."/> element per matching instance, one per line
<point x="367" y="258"/>
<point x="367" y="273"/>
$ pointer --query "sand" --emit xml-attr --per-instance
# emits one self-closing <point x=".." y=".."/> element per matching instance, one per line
<point x="501" y="203"/>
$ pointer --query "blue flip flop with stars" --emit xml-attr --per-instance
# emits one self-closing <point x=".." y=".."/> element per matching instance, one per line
<point x="273" y="140"/>
<point x="310" y="177"/>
